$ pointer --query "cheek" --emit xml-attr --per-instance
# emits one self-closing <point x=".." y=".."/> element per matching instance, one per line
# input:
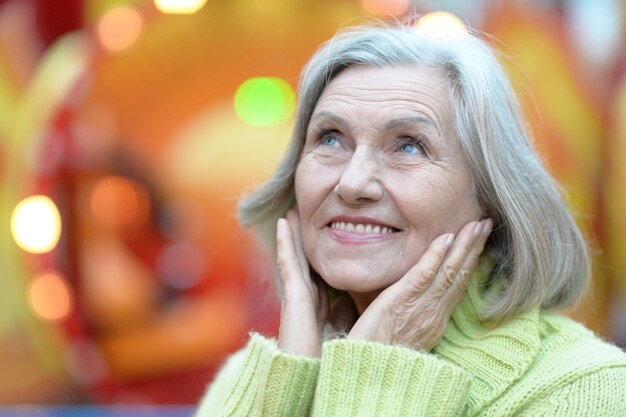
<point x="438" y="204"/>
<point x="313" y="184"/>
<point x="309" y="197"/>
<point x="313" y="188"/>
<point x="305" y="190"/>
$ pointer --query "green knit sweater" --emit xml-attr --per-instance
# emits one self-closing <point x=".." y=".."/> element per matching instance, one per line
<point x="538" y="364"/>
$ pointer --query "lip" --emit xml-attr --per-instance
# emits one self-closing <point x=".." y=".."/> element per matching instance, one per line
<point x="344" y="236"/>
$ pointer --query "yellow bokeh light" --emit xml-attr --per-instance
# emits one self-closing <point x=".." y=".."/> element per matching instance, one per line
<point x="36" y="224"/>
<point x="442" y="25"/>
<point x="386" y="7"/>
<point x="49" y="296"/>
<point x="119" y="27"/>
<point x="179" y="6"/>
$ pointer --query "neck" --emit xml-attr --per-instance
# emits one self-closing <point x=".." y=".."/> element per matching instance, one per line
<point x="363" y="299"/>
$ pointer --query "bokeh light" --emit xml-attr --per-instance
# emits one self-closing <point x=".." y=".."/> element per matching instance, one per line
<point x="181" y="265"/>
<point x="179" y="6"/>
<point x="264" y="101"/>
<point x="119" y="202"/>
<point x="36" y="224"/>
<point x="442" y="25"/>
<point x="217" y="151"/>
<point x="119" y="28"/>
<point x="386" y="7"/>
<point x="49" y="296"/>
<point x="118" y="290"/>
<point x="85" y="362"/>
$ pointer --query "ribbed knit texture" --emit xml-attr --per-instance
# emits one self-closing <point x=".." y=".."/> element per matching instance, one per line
<point x="368" y="379"/>
<point x="264" y="382"/>
<point x="538" y="364"/>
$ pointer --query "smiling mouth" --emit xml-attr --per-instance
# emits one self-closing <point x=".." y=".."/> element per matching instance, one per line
<point x="366" y="229"/>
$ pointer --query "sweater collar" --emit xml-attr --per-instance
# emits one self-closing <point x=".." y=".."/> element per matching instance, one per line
<point x="496" y="357"/>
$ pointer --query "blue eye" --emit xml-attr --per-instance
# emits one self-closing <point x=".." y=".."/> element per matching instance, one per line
<point x="412" y="146"/>
<point x="330" y="141"/>
<point x="409" y="148"/>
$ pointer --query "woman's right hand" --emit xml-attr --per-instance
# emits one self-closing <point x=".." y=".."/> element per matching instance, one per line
<point x="306" y="314"/>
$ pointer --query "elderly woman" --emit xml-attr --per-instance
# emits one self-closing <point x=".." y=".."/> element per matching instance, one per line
<point x="421" y="249"/>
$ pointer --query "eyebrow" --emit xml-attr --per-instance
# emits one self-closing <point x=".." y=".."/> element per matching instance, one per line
<point x="339" y="120"/>
<point x="410" y="120"/>
<point x="390" y="124"/>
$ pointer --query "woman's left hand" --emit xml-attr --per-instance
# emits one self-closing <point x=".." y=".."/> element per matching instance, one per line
<point x="415" y="310"/>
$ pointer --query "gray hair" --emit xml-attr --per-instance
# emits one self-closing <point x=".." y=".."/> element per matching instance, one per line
<point x="541" y="257"/>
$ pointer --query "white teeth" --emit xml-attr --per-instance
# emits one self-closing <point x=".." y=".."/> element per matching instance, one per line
<point x="361" y="228"/>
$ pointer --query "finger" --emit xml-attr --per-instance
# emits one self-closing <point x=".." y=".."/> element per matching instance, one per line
<point x="420" y="276"/>
<point x="457" y="290"/>
<point x="450" y="269"/>
<point x="293" y="218"/>
<point x="286" y="257"/>
<point x="473" y="257"/>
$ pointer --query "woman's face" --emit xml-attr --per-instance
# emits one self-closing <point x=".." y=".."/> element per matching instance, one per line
<point x="381" y="175"/>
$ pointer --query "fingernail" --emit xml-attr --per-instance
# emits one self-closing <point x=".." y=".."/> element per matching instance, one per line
<point x="477" y="228"/>
<point x="449" y="239"/>
<point x="487" y="225"/>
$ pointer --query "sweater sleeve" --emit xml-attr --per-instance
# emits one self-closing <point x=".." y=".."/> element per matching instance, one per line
<point x="601" y="393"/>
<point x="262" y="381"/>
<point x="359" y="378"/>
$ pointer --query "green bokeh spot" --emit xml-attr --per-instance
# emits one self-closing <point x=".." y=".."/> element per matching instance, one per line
<point x="264" y="101"/>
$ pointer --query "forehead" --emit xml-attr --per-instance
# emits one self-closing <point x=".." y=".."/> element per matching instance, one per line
<point x="410" y="88"/>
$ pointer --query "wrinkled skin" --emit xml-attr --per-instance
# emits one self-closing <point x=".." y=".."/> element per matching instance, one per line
<point x="386" y="212"/>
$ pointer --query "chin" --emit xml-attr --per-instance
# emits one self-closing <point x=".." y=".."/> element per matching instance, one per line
<point x="357" y="283"/>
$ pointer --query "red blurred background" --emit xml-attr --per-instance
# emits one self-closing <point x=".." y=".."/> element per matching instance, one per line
<point x="128" y="131"/>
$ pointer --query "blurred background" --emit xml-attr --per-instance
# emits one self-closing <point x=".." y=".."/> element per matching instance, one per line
<point x="129" y="128"/>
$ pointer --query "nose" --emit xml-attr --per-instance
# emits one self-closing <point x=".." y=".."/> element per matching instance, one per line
<point x="359" y="183"/>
